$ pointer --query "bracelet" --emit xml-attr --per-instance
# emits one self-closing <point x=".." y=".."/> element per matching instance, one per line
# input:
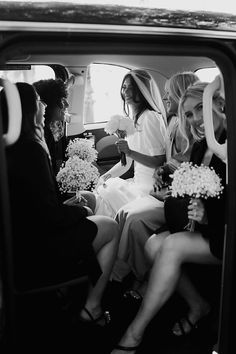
<point x="107" y="177"/>
<point x="129" y="153"/>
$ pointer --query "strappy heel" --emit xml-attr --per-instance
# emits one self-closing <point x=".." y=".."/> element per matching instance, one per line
<point x="105" y="317"/>
<point x="126" y="349"/>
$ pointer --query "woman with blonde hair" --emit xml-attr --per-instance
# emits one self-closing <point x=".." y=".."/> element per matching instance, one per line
<point x="169" y="251"/>
<point x="175" y="87"/>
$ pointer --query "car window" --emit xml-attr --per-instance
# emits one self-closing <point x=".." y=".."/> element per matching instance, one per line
<point x="207" y="74"/>
<point x="27" y="73"/>
<point x="102" y="92"/>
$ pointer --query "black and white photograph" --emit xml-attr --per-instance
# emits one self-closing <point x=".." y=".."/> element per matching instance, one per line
<point x="117" y="176"/>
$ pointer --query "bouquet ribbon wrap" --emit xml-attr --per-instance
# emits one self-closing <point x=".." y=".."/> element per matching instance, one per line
<point x="122" y="135"/>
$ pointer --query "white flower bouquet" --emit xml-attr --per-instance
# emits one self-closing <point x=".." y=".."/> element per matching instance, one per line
<point x="120" y="126"/>
<point x="83" y="148"/>
<point x="76" y="175"/>
<point x="195" y="182"/>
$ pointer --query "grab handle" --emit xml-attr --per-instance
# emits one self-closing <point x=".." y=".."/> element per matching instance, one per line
<point x="14" y="112"/>
<point x="219" y="149"/>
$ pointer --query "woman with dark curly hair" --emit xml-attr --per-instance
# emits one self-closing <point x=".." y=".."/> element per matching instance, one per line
<point x="54" y="94"/>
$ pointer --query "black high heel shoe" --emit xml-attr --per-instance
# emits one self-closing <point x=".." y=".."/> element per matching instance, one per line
<point x="102" y="320"/>
<point x="133" y="295"/>
<point x="126" y="349"/>
<point x="199" y="324"/>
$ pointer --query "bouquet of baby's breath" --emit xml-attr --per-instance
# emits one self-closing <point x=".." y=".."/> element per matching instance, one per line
<point x="195" y="182"/>
<point x="121" y="127"/>
<point x="83" y="148"/>
<point x="76" y="175"/>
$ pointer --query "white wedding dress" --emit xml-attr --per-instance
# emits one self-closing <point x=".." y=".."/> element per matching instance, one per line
<point x="149" y="139"/>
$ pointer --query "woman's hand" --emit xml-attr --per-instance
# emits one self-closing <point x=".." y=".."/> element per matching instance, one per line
<point x="160" y="194"/>
<point x="81" y="201"/>
<point x="157" y="175"/>
<point x="74" y="201"/>
<point x="161" y="176"/>
<point x="123" y="146"/>
<point x="196" y="211"/>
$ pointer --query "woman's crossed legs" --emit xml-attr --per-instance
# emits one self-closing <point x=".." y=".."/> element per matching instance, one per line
<point x="167" y="254"/>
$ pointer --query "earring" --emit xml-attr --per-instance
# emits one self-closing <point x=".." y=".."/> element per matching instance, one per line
<point x="222" y="108"/>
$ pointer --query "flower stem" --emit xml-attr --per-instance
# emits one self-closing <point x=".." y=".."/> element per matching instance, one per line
<point x="190" y="226"/>
<point x="122" y="135"/>
<point x="78" y="195"/>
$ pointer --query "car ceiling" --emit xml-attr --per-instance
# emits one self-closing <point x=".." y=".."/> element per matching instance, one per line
<point x="165" y="65"/>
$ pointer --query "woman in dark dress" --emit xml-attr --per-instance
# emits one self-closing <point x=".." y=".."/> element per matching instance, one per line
<point x="51" y="239"/>
<point x="169" y="251"/>
<point x="54" y="94"/>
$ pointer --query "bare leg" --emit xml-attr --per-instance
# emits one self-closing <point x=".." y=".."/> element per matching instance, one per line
<point x="198" y="306"/>
<point x="153" y="245"/>
<point x="176" y="250"/>
<point x="106" y="247"/>
<point x="137" y="221"/>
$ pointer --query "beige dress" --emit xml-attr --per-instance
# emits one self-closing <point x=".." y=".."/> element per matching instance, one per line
<point x="139" y="219"/>
<point x="143" y="214"/>
<point x="137" y="222"/>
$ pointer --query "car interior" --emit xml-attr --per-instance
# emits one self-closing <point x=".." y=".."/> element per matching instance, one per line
<point x="94" y="88"/>
<point x="94" y="64"/>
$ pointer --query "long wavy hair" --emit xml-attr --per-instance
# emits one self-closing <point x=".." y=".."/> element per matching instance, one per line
<point x="52" y="92"/>
<point x="143" y="103"/>
<point x="179" y="82"/>
<point x="194" y="91"/>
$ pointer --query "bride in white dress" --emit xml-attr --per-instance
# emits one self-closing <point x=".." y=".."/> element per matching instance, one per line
<point x="146" y="147"/>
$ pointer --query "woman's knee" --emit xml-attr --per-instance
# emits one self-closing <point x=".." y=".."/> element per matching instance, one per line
<point x="107" y="227"/>
<point x="107" y="232"/>
<point x="136" y="226"/>
<point x="91" y="199"/>
<point x="111" y="227"/>
<point x="173" y="248"/>
<point x="152" y="247"/>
